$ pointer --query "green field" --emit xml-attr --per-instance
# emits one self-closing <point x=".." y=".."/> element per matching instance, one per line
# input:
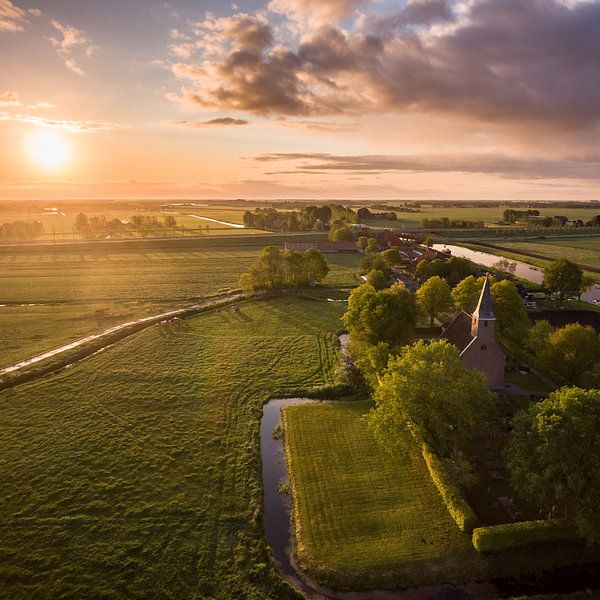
<point x="71" y="287"/>
<point x="137" y="472"/>
<point x="29" y="330"/>
<point x="366" y="518"/>
<point x="360" y="512"/>
<point x="585" y="251"/>
<point x="489" y="215"/>
<point x="59" y="225"/>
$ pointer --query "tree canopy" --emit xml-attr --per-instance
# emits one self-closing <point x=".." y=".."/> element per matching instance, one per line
<point x="509" y="310"/>
<point x="434" y="298"/>
<point x="467" y="292"/>
<point x="428" y="388"/>
<point x="278" y="269"/>
<point x="554" y="457"/>
<point x="380" y="316"/>
<point x="563" y="279"/>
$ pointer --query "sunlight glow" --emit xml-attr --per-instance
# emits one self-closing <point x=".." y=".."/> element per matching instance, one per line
<point x="47" y="148"/>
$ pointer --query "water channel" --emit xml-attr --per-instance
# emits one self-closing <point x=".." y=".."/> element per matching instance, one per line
<point x="524" y="270"/>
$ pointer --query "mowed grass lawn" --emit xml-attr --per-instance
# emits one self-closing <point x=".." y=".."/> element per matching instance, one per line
<point x="365" y="516"/>
<point x="136" y="473"/>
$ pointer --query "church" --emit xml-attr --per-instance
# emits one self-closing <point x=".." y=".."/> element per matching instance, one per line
<point x="473" y="335"/>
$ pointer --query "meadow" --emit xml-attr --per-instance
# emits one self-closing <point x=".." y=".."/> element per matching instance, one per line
<point x="584" y="251"/>
<point x="136" y="473"/>
<point x="368" y="517"/>
<point x="68" y="288"/>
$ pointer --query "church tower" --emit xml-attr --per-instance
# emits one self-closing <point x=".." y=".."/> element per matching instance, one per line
<point x="483" y="319"/>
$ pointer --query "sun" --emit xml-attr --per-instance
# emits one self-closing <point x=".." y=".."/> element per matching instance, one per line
<point x="47" y="148"/>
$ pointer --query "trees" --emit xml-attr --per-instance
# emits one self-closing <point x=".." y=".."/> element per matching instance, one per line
<point x="376" y="279"/>
<point x="391" y="257"/>
<point x="505" y="266"/>
<point x="466" y="293"/>
<point x="562" y="279"/>
<point x="372" y="246"/>
<point x="554" y="457"/>
<point x="380" y="316"/>
<point x="570" y="352"/>
<point x="429" y="388"/>
<point x="363" y="240"/>
<point x="276" y="269"/>
<point x="341" y="234"/>
<point x="434" y="298"/>
<point x="509" y="310"/>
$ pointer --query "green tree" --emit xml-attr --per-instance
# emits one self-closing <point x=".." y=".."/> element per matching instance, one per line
<point x="587" y="282"/>
<point x="434" y="298"/>
<point x="431" y="268"/>
<point x="570" y="351"/>
<point x="294" y="268"/>
<point x="341" y="234"/>
<point x="538" y="334"/>
<point x="363" y="240"/>
<point x="467" y="292"/>
<point x="316" y="265"/>
<point x="509" y="310"/>
<point x="372" y="246"/>
<point x="428" y="388"/>
<point x="554" y="454"/>
<point x="376" y="279"/>
<point x="505" y="266"/>
<point x="391" y="257"/>
<point x="562" y="279"/>
<point x="380" y="316"/>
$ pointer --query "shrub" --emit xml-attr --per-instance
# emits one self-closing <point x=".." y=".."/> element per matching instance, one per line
<point x="503" y="537"/>
<point x="457" y="506"/>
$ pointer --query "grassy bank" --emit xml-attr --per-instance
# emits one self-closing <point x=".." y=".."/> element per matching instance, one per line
<point x="137" y="472"/>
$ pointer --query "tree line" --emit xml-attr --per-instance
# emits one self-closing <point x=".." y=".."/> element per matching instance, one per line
<point x="309" y="218"/>
<point x="279" y="269"/>
<point x="446" y="223"/>
<point x="93" y="226"/>
<point x="21" y="230"/>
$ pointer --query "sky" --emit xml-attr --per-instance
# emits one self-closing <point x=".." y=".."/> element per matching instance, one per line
<point x="319" y="99"/>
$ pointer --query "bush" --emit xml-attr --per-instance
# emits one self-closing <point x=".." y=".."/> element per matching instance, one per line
<point x="503" y="537"/>
<point x="457" y="506"/>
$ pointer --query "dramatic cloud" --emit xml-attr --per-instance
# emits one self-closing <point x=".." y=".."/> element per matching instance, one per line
<point x="490" y="60"/>
<point x="219" y="122"/>
<point x="315" y="11"/>
<point x="10" y="99"/>
<point x="584" y="167"/>
<point x="72" y="39"/>
<point x="66" y="125"/>
<point x="12" y="18"/>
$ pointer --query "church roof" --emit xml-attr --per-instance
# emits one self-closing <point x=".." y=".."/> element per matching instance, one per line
<point x="484" y="310"/>
<point x="459" y="331"/>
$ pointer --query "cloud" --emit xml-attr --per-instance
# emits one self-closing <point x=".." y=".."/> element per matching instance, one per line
<point x="516" y="167"/>
<point x="34" y="12"/>
<point x="12" y="18"/>
<point x="72" y="39"/>
<point x="10" y="99"/>
<point x="502" y="61"/>
<point x="315" y="11"/>
<point x="218" y="122"/>
<point x="74" y="126"/>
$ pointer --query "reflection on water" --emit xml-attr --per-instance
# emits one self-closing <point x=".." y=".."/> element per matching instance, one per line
<point x="523" y="270"/>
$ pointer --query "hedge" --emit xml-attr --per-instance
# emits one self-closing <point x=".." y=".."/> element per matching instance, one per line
<point x="457" y="506"/>
<point x="511" y="535"/>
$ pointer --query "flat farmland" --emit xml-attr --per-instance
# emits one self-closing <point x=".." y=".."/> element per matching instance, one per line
<point x="136" y="473"/>
<point x="489" y="215"/>
<point x="155" y="276"/>
<point x="585" y="251"/>
<point x="26" y="330"/>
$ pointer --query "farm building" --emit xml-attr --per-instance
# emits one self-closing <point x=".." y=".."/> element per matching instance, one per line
<point x="474" y="336"/>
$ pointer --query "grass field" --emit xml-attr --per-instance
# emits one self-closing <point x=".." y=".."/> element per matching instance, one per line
<point x="360" y="512"/>
<point x="29" y="330"/>
<point x="59" y="224"/>
<point x="489" y="215"/>
<point x="366" y="518"/>
<point x="136" y="473"/>
<point x="585" y="251"/>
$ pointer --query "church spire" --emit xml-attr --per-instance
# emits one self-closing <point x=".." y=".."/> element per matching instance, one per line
<point x="484" y="310"/>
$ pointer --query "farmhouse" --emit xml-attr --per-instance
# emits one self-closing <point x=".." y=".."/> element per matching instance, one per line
<point x="474" y="337"/>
